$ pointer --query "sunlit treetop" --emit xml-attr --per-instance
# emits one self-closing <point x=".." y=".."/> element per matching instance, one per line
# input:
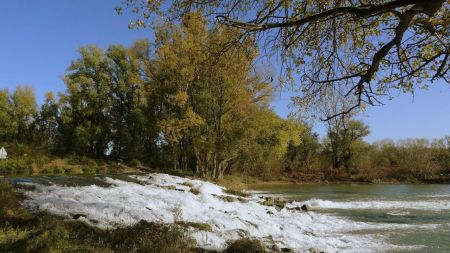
<point x="360" y="50"/>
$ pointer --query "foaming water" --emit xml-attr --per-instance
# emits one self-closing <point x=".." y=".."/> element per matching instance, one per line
<point x="424" y="208"/>
<point x="433" y="205"/>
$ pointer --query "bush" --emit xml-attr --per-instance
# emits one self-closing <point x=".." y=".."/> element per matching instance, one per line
<point x="245" y="246"/>
<point x="88" y="169"/>
<point x="15" y="166"/>
<point x="135" y="163"/>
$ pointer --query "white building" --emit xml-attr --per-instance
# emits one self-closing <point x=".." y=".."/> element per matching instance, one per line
<point x="3" y="154"/>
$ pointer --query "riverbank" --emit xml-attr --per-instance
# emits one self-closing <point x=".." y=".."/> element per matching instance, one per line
<point x="42" y="164"/>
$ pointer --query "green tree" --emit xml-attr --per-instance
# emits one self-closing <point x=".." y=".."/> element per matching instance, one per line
<point x="263" y="142"/>
<point x="344" y="140"/>
<point x="23" y="112"/>
<point x="86" y="106"/>
<point x="304" y="156"/>
<point x="47" y="122"/>
<point x="128" y="101"/>
<point x="7" y="127"/>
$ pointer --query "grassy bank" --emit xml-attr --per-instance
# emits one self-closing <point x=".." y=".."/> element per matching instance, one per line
<point x="53" y="165"/>
<point x="24" y="161"/>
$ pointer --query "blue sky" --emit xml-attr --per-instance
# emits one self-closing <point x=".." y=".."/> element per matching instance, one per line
<point x="39" y="39"/>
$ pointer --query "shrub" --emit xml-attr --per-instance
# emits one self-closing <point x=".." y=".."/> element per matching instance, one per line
<point x="57" y="170"/>
<point x="194" y="191"/>
<point x="88" y="169"/>
<point x="15" y="166"/>
<point x="245" y="246"/>
<point x="135" y="163"/>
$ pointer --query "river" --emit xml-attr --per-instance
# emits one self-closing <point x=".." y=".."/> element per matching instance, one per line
<point x="427" y="206"/>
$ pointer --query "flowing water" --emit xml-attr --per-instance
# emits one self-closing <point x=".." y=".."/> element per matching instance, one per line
<point x="397" y="218"/>
<point x="427" y="206"/>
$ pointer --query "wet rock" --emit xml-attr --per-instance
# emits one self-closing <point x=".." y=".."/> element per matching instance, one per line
<point x="287" y="250"/>
<point x="306" y="207"/>
<point x="242" y="200"/>
<point x="78" y="215"/>
<point x="279" y="203"/>
<point x="227" y="198"/>
<point x="268" y="201"/>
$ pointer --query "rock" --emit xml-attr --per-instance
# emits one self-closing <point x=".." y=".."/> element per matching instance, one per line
<point x="277" y="202"/>
<point x="287" y="250"/>
<point x="269" y="212"/>
<point x="280" y="203"/>
<point x="314" y="250"/>
<point x="78" y="215"/>
<point x="297" y="208"/>
<point x="268" y="201"/>
<point x="305" y="207"/>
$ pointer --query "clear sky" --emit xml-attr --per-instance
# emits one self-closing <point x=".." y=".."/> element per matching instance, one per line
<point x="39" y="39"/>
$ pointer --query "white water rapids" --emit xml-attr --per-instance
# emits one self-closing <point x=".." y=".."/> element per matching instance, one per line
<point x="164" y="198"/>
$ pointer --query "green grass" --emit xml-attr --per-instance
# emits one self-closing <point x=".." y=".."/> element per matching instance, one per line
<point x="41" y="164"/>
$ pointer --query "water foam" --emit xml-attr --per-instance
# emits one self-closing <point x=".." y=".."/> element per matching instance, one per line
<point x="433" y="204"/>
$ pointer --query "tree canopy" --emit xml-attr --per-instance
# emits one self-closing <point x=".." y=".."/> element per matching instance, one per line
<point x="363" y="48"/>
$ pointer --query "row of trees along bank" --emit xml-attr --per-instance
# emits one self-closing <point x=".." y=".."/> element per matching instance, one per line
<point x="180" y="103"/>
<point x="185" y="103"/>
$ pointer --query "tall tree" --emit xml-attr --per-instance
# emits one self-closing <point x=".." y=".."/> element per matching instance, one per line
<point x="204" y="107"/>
<point x="344" y="136"/>
<point x="7" y="127"/>
<point x="86" y="106"/>
<point x="129" y="120"/>
<point x="47" y="122"/>
<point x="23" y="111"/>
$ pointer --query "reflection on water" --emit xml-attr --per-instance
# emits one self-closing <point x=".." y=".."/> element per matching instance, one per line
<point x="427" y="205"/>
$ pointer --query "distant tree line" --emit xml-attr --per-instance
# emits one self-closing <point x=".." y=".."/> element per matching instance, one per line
<point x="344" y="155"/>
